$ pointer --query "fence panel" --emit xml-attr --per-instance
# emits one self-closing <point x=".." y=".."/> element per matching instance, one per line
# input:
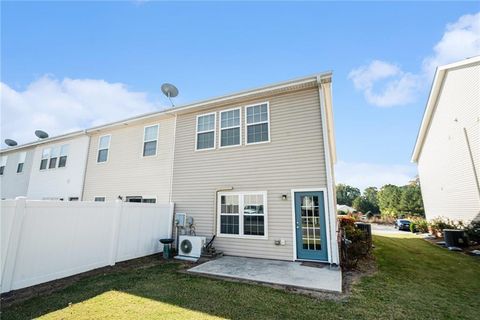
<point x="48" y="240"/>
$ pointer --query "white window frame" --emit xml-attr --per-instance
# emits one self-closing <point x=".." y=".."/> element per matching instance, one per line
<point x="3" y="163"/>
<point x="108" y="148"/>
<point x="104" y="198"/>
<point x="241" y="196"/>
<point x="64" y="154"/>
<point x="205" y="131"/>
<point x="47" y="158"/>
<point x="22" y="156"/>
<point x="156" y="139"/>
<point x="251" y="124"/>
<point x="232" y="127"/>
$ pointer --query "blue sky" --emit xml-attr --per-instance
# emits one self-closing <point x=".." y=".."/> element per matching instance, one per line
<point x="71" y="65"/>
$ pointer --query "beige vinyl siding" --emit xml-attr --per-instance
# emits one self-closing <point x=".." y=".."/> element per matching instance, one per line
<point x="294" y="159"/>
<point x="127" y="172"/>
<point x="445" y="166"/>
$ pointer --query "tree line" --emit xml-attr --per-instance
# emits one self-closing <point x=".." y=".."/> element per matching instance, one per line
<point x="389" y="200"/>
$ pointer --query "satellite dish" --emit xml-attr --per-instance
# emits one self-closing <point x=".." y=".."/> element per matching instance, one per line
<point x="10" y="142"/>
<point x="41" y="134"/>
<point x="170" y="91"/>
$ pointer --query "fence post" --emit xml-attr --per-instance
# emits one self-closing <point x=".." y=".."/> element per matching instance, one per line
<point x="117" y="217"/>
<point x="13" y="244"/>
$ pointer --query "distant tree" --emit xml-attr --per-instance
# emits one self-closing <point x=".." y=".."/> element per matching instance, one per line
<point x="389" y="197"/>
<point x="346" y="194"/>
<point x="411" y="202"/>
<point x="362" y="204"/>
<point x="371" y="195"/>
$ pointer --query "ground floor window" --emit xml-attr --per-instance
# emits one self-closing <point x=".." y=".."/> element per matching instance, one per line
<point x="99" y="199"/>
<point x="140" y="199"/>
<point x="242" y="214"/>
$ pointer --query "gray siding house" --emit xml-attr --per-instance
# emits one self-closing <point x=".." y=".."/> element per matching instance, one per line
<point x="15" y="168"/>
<point x="256" y="170"/>
<point x="447" y="150"/>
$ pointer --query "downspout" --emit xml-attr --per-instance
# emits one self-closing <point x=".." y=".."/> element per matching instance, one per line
<point x="332" y="236"/>
<point x="170" y="196"/>
<point x="86" y="165"/>
<point x="475" y="173"/>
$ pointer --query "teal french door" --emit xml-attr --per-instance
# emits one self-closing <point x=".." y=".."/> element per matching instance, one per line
<point x="311" y="235"/>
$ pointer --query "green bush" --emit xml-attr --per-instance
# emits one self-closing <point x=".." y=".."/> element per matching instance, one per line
<point x="354" y="245"/>
<point x="413" y="227"/>
<point x="473" y="231"/>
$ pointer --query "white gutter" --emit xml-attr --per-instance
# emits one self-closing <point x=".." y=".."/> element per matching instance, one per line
<point x="44" y="141"/>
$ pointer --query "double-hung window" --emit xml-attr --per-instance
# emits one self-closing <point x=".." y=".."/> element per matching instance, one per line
<point x="3" y="163"/>
<point x="45" y="157"/>
<point x="62" y="161"/>
<point x="230" y="132"/>
<point x="206" y="131"/>
<point x="103" y="146"/>
<point x="150" y="139"/>
<point x="21" y="161"/>
<point x="53" y="158"/>
<point x="243" y="214"/>
<point x="257" y="122"/>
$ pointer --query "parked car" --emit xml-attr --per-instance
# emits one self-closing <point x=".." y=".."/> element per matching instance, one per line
<point x="402" y="224"/>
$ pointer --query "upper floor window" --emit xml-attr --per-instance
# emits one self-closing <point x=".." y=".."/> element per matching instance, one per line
<point x="53" y="158"/>
<point x="62" y="161"/>
<point x="205" y="138"/>
<point x="150" y="139"/>
<point x="3" y="163"/>
<point x="45" y="157"/>
<point x="103" y="146"/>
<point x="230" y="134"/>
<point x="21" y="161"/>
<point x="258" y="129"/>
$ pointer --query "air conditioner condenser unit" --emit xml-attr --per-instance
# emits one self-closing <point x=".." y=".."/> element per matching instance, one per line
<point x="190" y="247"/>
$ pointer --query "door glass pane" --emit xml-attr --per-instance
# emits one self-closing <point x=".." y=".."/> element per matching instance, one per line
<point x="310" y="213"/>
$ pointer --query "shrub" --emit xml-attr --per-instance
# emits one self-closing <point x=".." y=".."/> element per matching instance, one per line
<point x="413" y="227"/>
<point x="354" y="245"/>
<point x="473" y="231"/>
<point x="421" y="225"/>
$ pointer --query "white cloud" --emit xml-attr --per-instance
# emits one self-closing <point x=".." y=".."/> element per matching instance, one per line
<point x="363" y="175"/>
<point x="399" y="87"/>
<point x="461" y="40"/>
<point x="385" y="84"/>
<point x="60" y="106"/>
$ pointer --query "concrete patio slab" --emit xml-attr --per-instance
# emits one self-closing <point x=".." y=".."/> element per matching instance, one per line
<point x="309" y="276"/>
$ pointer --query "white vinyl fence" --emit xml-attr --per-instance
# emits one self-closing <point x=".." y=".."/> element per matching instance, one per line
<point x="47" y="240"/>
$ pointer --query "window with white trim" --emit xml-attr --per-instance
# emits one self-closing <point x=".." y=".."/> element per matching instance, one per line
<point x="45" y="157"/>
<point x="3" y="163"/>
<point x="257" y="121"/>
<point x="230" y="134"/>
<point x="150" y="139"/>
<point x="53" y="158"/>
<point x="21" y="161"/>
<point x="242" y="214"/>
<point x="62" y="161"/>
<point x="103" y="147"/>
<point x="205" y="138"/>
<point x="99" y="199"/>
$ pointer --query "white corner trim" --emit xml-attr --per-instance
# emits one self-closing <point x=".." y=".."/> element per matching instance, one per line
<point x="333" y="245"/>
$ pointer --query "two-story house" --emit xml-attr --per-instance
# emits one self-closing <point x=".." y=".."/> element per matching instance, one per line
<point x="47" y="169"/>
<point x="254" y="168"/>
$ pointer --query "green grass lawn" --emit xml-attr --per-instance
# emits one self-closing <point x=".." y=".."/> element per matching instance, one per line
<point x="416" y="280"/>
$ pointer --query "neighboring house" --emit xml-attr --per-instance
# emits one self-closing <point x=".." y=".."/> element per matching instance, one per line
<point x="15" y="168"/>
<point x="447" y="150"/>
<point x="53" y="168"/>
<point x="131" y="159"/>
<point x="256" y="169"/>
<point x="345" y="209"/>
